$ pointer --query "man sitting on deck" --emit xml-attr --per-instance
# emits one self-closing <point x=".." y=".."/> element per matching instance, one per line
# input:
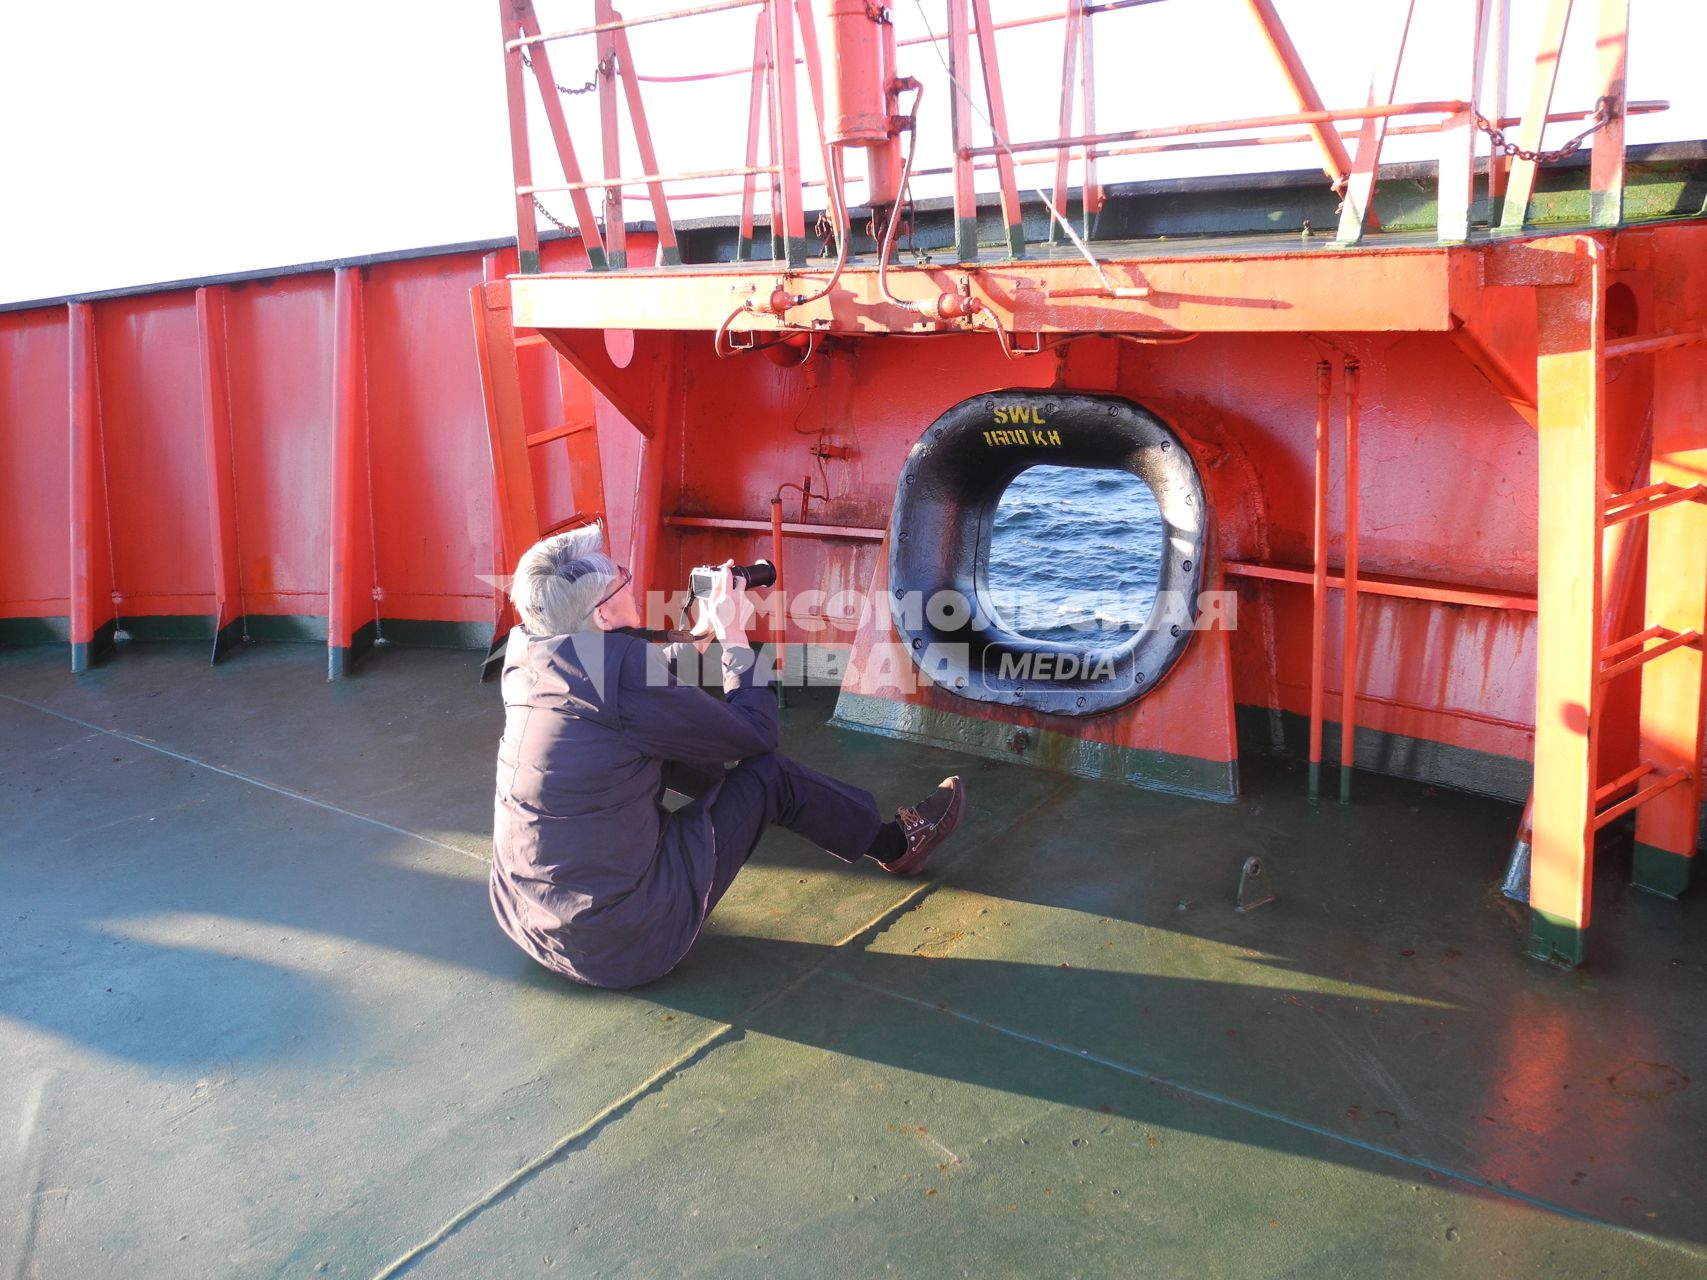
<point x="591" y="875"/>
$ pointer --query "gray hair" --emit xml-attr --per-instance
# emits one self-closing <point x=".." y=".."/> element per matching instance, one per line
<point x="560" y="580"/>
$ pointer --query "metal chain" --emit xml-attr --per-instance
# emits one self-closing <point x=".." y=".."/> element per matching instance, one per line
<point x="1605" y="111"/>
<point x="549" y="216"/>
<point x="564" y="89"/>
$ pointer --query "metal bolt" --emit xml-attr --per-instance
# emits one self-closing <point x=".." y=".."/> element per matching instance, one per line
<point x="1186" y="565"/>
<point x="1081" y="701"/>
<point x="1174" y="630"/>
<point x="904" y="537"/>
<point x="918" y="644"/>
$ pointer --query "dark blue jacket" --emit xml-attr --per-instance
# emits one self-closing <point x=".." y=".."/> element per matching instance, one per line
<point x="590" y="875"/>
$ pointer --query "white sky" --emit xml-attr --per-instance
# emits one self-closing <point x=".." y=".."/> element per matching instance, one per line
<point x="150" y="142"/>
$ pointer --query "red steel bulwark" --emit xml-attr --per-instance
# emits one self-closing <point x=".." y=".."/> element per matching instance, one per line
<point x="1449" y="555"/>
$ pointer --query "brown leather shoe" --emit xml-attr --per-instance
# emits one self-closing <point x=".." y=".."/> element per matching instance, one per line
<point x="927" y="824"/>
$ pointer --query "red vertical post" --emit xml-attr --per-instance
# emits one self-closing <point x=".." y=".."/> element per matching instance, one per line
<point x="1088" y="94"/>
<point x="1319" y="581"/>
<point x="610" y="137"/>
<point x="1571" y="433"/>
<point x="1360" y="188"/>
<point x="1348" y="651"/>
<point x="1336" y="163"/>
<point x="669" y="253"/>
<point x="1521" y="183"/>
<point x="521" y="162"/>
<point x="755" y="118"/>
<point x="960" y="125"/>
<point x="1606" y="167"/>
<point x="1495" y="76"/>
<point x="228" y="620"/>
<point x="788" y="134"/>
<point x="352" y="612"/>
<point x="1458" y="133"/>
<point x="1069" y="73"/>
<point x="591" y="241"/>
<point x="93" y="617"/>
<point x="1011" y="216"/>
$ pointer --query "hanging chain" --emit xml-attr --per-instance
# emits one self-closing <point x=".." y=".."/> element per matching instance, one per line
<point x="564" y="89"/>
<point x="550" y="217"/>
<point x="1605" y="112"/>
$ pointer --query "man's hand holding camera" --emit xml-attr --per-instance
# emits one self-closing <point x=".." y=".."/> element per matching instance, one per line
<point x="725" y="613"/>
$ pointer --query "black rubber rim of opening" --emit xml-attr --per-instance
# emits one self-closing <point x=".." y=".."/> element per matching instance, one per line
<point x="945" y="507"/>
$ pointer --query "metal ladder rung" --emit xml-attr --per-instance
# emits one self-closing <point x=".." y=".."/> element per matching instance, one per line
<point x="1644" y="502"/>
<point x="1668" y="638"/>
<point x="1665" y="783"/>
<point x="557" y="433"/>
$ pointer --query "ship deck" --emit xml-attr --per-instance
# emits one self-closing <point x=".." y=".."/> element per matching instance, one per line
<point x="258" y="1021"/>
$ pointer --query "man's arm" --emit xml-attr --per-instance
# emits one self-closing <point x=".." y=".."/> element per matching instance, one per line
<point x="683" y="722"/>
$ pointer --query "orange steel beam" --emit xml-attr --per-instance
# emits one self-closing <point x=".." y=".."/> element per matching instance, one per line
<point x="788" y="135"/>
<point x="960" y="128"/>
<point x="558" y="122"/>
<point x="1410" y="289"/>
<point x="1387" y="585"/>
<point x="352" y="612"/>
<point x="1571" y="433"/>
<point x="1606" y="165"/>
<point x="1348" y="653"/>
<point x="1521" y="183"/>
<point x="669" y="253"/>
<point x="1336" y="161"/>
<point x="93" y="616"/>
<point x="610" y="137"/>
<point x="228" y="619"/>
<point x="521" y="161"/>
<point x="1319" y="584"/>
<point x="1011" y="216"/>
<point x="1360" y="186"/>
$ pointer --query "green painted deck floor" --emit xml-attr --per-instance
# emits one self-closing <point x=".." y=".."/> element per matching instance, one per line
<point x="255" y="1020"/>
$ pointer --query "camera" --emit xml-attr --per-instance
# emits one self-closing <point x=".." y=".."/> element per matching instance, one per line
<point x="762" y="574"/>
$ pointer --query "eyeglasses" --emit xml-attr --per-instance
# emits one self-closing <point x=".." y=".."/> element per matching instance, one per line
<point x="615" y="591"/>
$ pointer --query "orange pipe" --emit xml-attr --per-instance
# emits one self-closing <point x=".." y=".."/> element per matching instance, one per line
<point x="1348" y="694"/>
<point x="779" y="598"/>
<point x="1319" y="581"/>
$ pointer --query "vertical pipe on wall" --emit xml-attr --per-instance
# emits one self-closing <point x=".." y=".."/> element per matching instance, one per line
<point x="352" y="615"/>
<point x="1319" y="580"/>
<point x="228" y="620"/>
<point x="779" y="600"/>
<point x="93" y="619"/>
<point x="1348" y="653"/>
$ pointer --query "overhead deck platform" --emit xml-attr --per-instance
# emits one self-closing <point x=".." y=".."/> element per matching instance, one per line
<point x="255" y="1020"/>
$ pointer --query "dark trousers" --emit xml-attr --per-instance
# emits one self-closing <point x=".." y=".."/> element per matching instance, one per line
<point x="773" y="790"/>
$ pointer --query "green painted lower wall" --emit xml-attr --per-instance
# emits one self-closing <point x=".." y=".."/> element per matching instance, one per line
<point x="1659" y="871"/>
<point x="1479" y="772"/>
<point x="1555" y="940"/>
<point x="1155" y="770"/>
